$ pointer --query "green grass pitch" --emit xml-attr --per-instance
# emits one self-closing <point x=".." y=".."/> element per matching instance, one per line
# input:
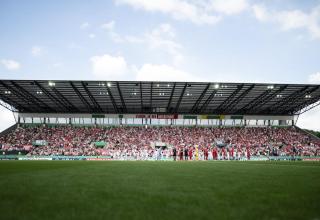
<point x="159" y="190"/>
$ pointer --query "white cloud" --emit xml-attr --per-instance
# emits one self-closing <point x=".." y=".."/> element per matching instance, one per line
<point x="116" y="68"/>
<point x="261" y="13"/>
<point x="163" y="38"/>
<point x="10" y="64"/>
<point x="108" y="26"/>
<point x="178" y="9"/>
<point x="152" y="72"/>
<point x="229" y="7"/>
<point x="84" y="25"/>
<point x="290" y="20"/>
<point x="108" y="67"/>
<point x="117" y="38"/>
<point x="92" y="36"/>
<point x="37" y="51"/>
<point x="314" y="78"/>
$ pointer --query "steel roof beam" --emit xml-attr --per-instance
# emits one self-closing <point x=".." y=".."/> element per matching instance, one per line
<point x="121" y="98"/>
<point x="30" y="96"/>
<point x="228" y="100"/>
<point x="5" y="103"/>
<point x="284" y="102"/>
<point x="255" y="101"/>
<point x="141" y="100"/>
<point x="20" y="96"/>
<point x="65" y="100"/>
<point x="180" y="98"/>
<point x="231" y="105"/>
<point x="207" y="102"/>
<point x="52" y="97"/>
<point x="84" y="101"/>
<point x="92" y="99"/>
<point x="151" y="96"/>
<point x="271" y="96"/>
<point x="112" y="100"/>
<point x="196" y="104"/>
<point x="308" y="108"/>
<point x="171" y="95"/>
<point x="306" y="102"/>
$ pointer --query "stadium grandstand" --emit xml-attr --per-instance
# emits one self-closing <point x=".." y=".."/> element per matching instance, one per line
<point x="137" y="120"/>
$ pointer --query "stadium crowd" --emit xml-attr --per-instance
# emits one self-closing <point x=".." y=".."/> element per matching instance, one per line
<point x="181" y="142"/>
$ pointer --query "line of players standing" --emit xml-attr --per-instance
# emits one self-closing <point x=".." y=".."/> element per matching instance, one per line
<point x="216" y="153"/>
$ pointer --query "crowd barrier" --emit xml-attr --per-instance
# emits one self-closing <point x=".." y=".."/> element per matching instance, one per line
<point x="102" y="158"/>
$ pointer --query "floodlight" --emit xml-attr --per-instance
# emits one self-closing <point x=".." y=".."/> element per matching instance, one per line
<point x="51" y="84"/>
<point x="308" y="96"/>
<point x="270" y="87"/>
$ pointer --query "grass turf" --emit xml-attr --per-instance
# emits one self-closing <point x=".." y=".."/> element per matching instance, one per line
<point x="159" y="190"/>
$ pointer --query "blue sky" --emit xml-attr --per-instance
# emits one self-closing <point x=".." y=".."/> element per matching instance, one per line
<point x="203" y="40"/>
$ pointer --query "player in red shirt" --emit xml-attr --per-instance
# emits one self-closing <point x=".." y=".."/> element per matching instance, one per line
<point x="181" y="153"/>
<point x="214" y="153"/>
<point x="223" y="153"/>
<point x="231" y="153"/>
<point x="206" y="153"/>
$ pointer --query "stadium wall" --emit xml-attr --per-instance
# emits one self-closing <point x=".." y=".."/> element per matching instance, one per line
<point x="156" y="119"/>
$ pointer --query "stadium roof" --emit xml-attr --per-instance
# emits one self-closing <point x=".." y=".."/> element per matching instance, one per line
<point x="114" y="97"/>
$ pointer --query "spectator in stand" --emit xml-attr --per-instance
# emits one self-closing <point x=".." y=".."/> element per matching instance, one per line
<point x="136" y="142"/>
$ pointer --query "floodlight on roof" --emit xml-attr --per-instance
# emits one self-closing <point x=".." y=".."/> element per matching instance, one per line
<point x="270" y="87"/>
<point x="51" y="84"/>
<point x="109" y="84"/>
<point x="216" y="86"/>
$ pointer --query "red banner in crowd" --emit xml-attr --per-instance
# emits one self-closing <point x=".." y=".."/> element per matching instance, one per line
<point x="173" y="116"/>
<point x="154" y="116"/>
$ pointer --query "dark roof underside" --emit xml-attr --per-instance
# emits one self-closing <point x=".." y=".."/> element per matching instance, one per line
<point x="113" y="97"/>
